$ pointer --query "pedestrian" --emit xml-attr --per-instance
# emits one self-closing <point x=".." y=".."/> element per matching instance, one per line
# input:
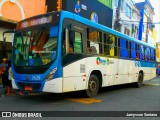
<point x="10" y="74"/>
<point x="77" y="8"/>
<point x="4" y="73"/>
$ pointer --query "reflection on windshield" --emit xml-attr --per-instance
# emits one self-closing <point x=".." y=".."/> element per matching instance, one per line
<point x="35" y="47"/>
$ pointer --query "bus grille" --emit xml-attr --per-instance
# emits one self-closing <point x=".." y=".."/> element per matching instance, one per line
<point x="35" y="86"/>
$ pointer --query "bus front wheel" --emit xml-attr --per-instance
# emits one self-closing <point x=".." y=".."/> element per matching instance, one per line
<point x="93" y="86"/>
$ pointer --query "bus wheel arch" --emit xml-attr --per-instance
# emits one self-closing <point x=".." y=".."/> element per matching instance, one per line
<point x="94" y="82"/>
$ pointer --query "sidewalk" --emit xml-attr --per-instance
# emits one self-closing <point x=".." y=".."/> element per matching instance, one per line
<point x="155" y="81"/>
<point x="2" y="93"/>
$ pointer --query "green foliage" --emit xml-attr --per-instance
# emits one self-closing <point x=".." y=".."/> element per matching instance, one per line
<point x="108" y="3"/>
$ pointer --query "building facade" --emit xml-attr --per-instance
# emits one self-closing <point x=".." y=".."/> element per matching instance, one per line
<point x="99" y="11"/>
<point x="12" y="11"/>
<point x="126" y="17"/>
<point x="146" y="26"/>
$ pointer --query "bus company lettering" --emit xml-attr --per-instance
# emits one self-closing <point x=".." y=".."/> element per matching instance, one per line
<point x="78" y="28"/>
<point x="101" y="61"/>
<point x="137" y="64"/>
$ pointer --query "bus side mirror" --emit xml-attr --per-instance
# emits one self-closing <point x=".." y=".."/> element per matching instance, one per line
<point x="67" y="40"/>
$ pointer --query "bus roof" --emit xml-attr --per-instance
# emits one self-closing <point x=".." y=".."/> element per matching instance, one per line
<point x="66" y="14"/>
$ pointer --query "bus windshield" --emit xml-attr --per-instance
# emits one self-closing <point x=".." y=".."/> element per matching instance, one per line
<point x="37" y="47"/>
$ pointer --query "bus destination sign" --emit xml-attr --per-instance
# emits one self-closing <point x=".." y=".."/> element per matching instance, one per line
<point x="34" y="22"/>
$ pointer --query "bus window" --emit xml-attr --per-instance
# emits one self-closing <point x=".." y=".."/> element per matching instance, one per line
<point x="152" y="54"/>
<point x="100" y="44"/>
<point x="128" y="48"/>
<point x="123" y="48"/>
<point x="94" y="41"/>
<point x="111" y="40"/>
<point x="39" y="46"/>
<point x="141" y="51"/>
<point x="106" y="44"/>
<point x="137" y="52"/>
<point x="133" y="50"/>
<point x="78" y="43"/>
<point x="75" y="42"/>
<point x="109" y="44"/>
<point x="147" y="53"/>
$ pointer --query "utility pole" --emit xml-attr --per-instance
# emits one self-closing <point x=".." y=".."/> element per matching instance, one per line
<point x="117" y="25"/>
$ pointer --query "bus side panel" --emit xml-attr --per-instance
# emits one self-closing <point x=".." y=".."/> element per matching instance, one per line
<point x="53" y="86"/>
<point x="127" y="72"/>
<point x="106" y="66"/>
<point x="73" y="76"/>
<point x="153" y="73"/>
<point x="96" y="63"/>
<point x="111" y="71"/>
<point x="148" y="69"/>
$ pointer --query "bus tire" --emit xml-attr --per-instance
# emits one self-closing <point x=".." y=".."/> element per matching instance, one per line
<point x="93" y="86"/>
<point x="138" y="84"/>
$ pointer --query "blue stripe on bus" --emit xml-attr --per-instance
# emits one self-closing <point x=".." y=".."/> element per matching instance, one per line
<point x="145" y="64"/>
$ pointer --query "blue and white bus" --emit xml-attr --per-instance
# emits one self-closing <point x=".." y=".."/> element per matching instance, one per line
<point x="61" y="52"/>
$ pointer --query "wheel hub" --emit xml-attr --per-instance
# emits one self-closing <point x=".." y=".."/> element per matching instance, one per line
<point x="92" y="86"/>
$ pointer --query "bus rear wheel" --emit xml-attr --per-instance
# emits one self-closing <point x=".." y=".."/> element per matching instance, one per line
<point x="93" y="86"/>
<point x="138" y="84"/>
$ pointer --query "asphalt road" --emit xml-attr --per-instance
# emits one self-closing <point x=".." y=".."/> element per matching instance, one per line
<point x="117" y="98"/>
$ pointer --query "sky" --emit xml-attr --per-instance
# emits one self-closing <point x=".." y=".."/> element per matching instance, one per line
<point x="156" y="19"/>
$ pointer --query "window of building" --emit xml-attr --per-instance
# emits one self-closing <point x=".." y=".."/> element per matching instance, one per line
<point x="127" y="31"/>
<point x="121" y="3"/>
<point x="128" y="11"/>
<point x="116" y="3"/>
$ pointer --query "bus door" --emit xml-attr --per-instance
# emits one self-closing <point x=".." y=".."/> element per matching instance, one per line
<point x="73" y="59"/>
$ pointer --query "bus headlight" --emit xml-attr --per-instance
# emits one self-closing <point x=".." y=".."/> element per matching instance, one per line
<point x="51" y="74"/>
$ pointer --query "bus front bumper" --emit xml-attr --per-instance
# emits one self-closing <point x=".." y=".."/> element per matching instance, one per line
<point x="52" y="86"/>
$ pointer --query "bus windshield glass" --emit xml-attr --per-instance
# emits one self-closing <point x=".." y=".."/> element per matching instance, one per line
<point x="37" y="47"/>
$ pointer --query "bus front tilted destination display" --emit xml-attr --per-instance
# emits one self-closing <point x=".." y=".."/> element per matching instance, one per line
<point x="62" y="52"/>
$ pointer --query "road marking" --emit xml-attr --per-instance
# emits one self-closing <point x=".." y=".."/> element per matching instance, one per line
<point x="84" y="100"/>
<point x="152" y="84"/>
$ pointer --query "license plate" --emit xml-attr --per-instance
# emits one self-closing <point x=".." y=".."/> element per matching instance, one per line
<point x="28" y="88"/>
